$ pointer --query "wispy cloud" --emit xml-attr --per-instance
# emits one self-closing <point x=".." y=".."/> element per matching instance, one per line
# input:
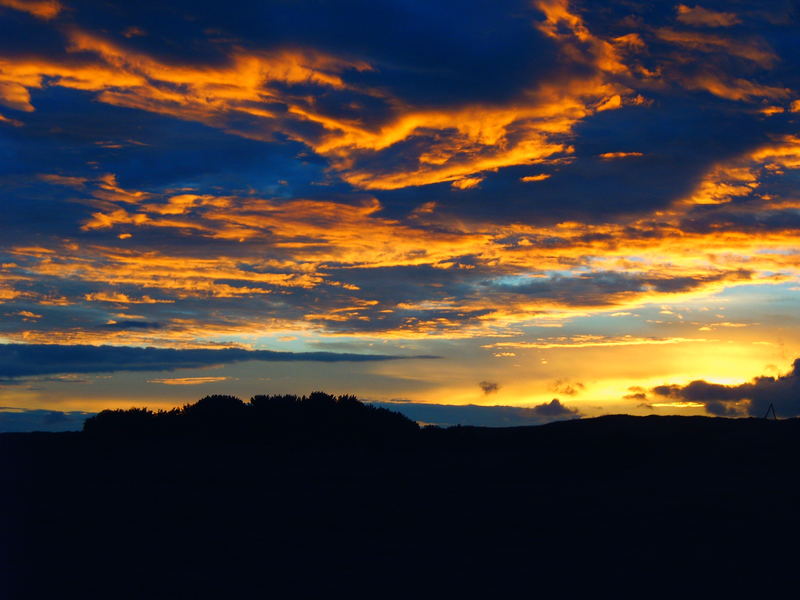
<point x="594" y="341"/>
<point x="188" y="380"/>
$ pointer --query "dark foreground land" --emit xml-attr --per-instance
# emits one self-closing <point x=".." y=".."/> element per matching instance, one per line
<point x="615" y="504"/>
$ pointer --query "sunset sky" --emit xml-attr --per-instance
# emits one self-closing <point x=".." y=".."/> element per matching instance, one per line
<point x="487" y="203"/>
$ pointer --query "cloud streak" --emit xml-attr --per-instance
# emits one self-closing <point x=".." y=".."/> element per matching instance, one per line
<point x="25" y="360"/>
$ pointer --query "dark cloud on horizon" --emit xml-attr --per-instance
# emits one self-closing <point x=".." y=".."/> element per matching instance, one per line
<point x="746" y="399"/>
<point x="24" y="360"/>
<point x="19" y="420"/>
<point x="446" y="415"/>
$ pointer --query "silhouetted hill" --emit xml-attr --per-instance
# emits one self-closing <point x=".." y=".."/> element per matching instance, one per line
<point x="315" y="419"/>
<point x="627" y="505"/>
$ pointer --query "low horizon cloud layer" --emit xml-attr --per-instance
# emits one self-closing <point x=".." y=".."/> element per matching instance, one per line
<point x="22" y="420"/>
<point x="533" y="190"/>
<point x="751" y="399"/>
<point x="447" y="415"/>
<point x="18" y="420"/>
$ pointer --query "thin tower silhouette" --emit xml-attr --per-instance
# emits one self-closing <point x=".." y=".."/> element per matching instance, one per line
<point x="772" y="409"/>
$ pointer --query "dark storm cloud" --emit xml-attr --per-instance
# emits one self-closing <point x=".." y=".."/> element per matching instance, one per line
<point x="460" y="51"/>
<point x="23" y="360"/>
<point x="483" y="416"/>
<point x="753" y="398"/>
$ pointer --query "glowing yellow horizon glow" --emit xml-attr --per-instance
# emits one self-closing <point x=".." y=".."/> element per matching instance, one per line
<point x="597" y="380"/>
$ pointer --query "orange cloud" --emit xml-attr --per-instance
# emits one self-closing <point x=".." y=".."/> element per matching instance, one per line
<point x="698" y="16"/>
<point x="753" y="50"/>
<point x="731" y="88"/>
<point x="16" y="96"/>
<point x="12" y="122"/>
<point x="611" y="155"/>
<point x="540" y="177"/>
<point x="120" y="298"/>
<point x="576" y="41"/>
<point x="466" y="183"/>
<point x="43" y="9"/>
<point x="723" y="183"/>
<point x="74" y="182"/>
<point x="783" y="154"/>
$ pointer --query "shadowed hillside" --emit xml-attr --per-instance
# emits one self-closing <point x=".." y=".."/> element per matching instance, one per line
<point x="318" y="496"/>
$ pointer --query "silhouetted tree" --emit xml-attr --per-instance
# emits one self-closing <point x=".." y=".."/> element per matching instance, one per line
<point x="314" y="419"/>
<point x="120" y="423"/>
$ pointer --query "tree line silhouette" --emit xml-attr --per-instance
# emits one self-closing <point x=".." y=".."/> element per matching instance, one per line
<point x="318" y="417"/>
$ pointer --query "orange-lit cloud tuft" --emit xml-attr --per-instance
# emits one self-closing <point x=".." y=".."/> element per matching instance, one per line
<point x="698" y="16"/>
<point x="43" y="9"/>
<point x="612" y="155"/>
<point x="188" y="380"/>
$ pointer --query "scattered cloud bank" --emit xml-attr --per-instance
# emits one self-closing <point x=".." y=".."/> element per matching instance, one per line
<point x="746" y="399"/>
